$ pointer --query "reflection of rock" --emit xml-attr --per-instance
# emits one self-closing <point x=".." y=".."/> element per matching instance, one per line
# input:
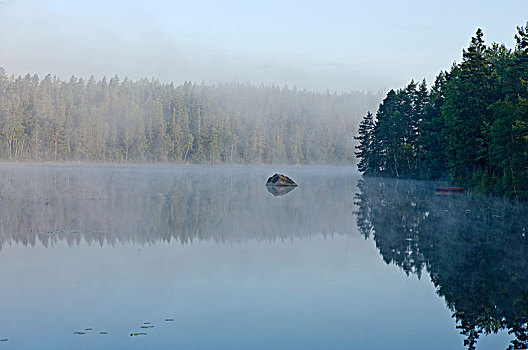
<point x="280" y="180"/>
<point x="280" y="190"/>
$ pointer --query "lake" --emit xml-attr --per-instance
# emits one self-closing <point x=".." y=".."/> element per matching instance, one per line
<point x="197" y="257"/>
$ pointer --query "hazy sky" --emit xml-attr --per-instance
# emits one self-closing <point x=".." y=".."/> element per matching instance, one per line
<point x="317" y="45"/>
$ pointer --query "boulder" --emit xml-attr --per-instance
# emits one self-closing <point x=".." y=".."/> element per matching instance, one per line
<point x="280" y="180"/>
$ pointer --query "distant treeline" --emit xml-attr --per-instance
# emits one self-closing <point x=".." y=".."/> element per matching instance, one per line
<point x="471" y="127"/>
<point x="147" y="121"/>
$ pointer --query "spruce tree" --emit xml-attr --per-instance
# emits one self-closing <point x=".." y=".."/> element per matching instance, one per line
<point x="364" y="153"/>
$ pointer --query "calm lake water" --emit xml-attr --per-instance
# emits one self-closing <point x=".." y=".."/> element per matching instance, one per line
<point x="161" y="257"/>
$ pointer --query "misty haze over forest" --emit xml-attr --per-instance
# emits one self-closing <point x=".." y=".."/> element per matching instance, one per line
<point x="342" y="46"/>
<point x="147" y="121"/>
<point x="337" y="45"/>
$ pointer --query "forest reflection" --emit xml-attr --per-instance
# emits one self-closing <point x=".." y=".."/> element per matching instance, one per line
<point x="474" y="249"/>
<point x="144" y="205"/>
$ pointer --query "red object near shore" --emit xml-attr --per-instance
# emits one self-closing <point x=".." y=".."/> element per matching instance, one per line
<point x="450" y="189"/>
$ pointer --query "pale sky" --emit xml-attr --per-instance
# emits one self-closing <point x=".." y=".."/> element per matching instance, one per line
<point x="316" y="45"/>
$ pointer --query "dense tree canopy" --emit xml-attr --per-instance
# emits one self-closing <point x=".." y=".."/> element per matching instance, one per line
<point x="147" y="121"/>
<point x="471" y="127"/>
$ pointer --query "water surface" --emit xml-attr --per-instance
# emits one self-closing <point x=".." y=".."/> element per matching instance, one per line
<point x="207" y="258"/>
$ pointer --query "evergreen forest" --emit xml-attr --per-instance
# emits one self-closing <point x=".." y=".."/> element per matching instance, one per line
<point x="147" y="121"/>
<point x="470" y="127"/>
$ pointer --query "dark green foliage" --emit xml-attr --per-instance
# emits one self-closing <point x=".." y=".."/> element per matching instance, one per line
<point x="146" y="121"/>
<point x="365" y="139"/>
<point x="471" y="128"/>
<point x="430" y="158"/>
<point x="389" y="147"/>
<point x="472" y="88"/>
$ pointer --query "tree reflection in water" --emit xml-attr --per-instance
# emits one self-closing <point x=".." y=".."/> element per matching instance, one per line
<point x="474" y="249"/>
<point x="144" y="205"/>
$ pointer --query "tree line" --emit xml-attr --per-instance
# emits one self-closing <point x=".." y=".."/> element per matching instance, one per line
<point x="147" y="121"/>
<point x="470" y="127"/>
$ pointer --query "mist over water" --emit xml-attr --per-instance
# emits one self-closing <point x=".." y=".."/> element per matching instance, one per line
<point x="206" y="257"/>
<point x="110" y="204"/>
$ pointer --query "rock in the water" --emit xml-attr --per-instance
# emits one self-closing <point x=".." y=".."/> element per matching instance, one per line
<point x="280" y="180"/>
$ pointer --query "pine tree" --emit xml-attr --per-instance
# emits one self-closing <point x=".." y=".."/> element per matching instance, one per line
<point x="365" y="147"/>
<point x="431" y="126"/>
<point x="470" y="90"/>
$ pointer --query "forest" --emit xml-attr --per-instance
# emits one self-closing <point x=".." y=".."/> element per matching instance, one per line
<point x="469" y="128"/>
<point x="147" y="121"/>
